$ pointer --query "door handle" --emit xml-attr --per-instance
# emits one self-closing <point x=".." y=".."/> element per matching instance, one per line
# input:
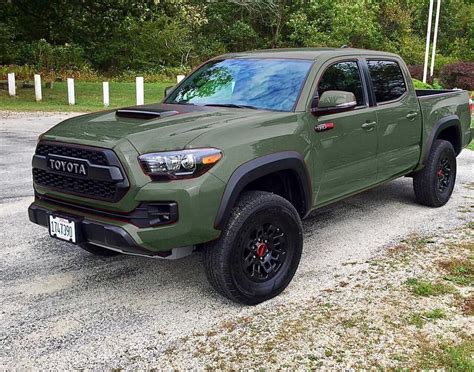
<point x="369" y="125"/>
<point x="412" y="115"/>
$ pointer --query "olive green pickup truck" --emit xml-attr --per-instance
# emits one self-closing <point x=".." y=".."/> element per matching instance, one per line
<point x="238" y="153"/>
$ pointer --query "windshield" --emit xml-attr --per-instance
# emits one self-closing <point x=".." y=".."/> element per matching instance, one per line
<point x="251" y="83"/>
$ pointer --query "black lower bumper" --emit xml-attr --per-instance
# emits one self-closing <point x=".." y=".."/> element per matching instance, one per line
<point x="109" y="236"/>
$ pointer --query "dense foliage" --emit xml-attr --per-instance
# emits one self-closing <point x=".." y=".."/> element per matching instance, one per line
<point x="458" y="75"/>
<point x="115" y="36"/>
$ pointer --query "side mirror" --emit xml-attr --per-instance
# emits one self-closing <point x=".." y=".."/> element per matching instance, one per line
<point x="333" y="101"/>
<point x="168" y="90"/>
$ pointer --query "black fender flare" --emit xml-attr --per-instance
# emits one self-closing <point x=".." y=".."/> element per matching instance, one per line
<point x="260" y="167"/>
<point x="440" y="125"/>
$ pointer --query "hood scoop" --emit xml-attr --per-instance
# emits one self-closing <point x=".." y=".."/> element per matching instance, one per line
<point x="144" y="113"/>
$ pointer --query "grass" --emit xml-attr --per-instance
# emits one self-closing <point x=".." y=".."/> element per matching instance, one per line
<point x="88" y="97"/>
<point x="419" y="319"/>
<point x="425" y="288"/>
<point x="460" y="272"/>
<point x="449" y="357"/>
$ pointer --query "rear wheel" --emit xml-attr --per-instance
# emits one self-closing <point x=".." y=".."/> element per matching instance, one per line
<point x="259" y="250"/>
<point x="98" y="251"/>
<point x="434" y="184"/>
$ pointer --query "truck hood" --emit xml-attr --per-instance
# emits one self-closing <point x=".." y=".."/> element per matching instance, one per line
<point x="157" y="127"/>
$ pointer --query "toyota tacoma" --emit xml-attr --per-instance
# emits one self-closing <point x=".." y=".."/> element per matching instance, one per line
<point x="238" y="153"/>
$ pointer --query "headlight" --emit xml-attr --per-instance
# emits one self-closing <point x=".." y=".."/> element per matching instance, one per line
<point x="179" y="164"/>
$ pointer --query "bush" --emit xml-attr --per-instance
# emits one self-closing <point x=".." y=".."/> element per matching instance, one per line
<point x="420" y="85"/>
<point x="8" y="50"/>
<point x="24" y="72"/>
<point x="416" y="71"/>
<point x="52" y="57"/>
<point x="458" y="75"/>
<point x="158" y="74"/>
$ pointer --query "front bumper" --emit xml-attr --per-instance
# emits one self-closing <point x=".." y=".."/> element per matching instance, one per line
<point x="105" y="235"/>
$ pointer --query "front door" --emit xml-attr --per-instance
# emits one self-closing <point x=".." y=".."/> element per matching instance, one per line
<point x="346" y="153"/>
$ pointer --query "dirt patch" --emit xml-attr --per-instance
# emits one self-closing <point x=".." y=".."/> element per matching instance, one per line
<point x="468" y="306"/>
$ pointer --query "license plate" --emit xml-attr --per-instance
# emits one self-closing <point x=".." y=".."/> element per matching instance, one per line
<point x="62" y="228"/>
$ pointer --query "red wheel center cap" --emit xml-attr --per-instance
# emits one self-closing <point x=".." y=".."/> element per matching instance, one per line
<point x="262" y="250"/>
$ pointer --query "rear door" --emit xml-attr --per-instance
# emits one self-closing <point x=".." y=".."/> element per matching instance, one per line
<point x="347" y="151"/>
<point x="399" y="119"/>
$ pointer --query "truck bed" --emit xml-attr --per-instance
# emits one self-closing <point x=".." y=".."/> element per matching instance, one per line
<point x="437" y="105"/>
<point x="433" y="92"/>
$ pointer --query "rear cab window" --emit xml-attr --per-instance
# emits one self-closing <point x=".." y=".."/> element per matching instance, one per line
<point x="387" y="79"/>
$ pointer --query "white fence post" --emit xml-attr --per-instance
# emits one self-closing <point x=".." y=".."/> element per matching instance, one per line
<point x="435" y="37"/>
<point x="105" y="86"/>
<point x="11" y="84"/>
<point x="179" y="78"/>
<point x="140" y="91"/>
<point x="70" y="91"/>
<point x="38" y="94"/>
<point x="428" y="39"/>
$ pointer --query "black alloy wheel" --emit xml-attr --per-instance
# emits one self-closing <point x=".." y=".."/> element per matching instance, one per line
<point x="265" y="252"/>
<point x="259" y="250"/>
<point x="434" y="184"/>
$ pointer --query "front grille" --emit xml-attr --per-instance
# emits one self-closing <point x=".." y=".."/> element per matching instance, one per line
<point x="95" y="157"/>
<point x="103" y="183"/>
<point x="92" y="188"/>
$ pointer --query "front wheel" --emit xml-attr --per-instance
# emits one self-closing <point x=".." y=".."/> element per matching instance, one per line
<point x="434" y="184"/>
<point x="259" y="250"/>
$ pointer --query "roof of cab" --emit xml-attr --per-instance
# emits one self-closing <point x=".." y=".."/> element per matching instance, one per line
<point x="305" y="53"/>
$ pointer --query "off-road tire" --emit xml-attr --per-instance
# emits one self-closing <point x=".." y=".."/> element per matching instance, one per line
<point x="98" y="251"/>
<point x="257" y="217"/>
<point x="430" y="187"/>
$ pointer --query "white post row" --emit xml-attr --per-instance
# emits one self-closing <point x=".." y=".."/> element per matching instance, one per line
<point x="179" y="78"/>
<point x="105" y="88"/>
<point x="11" y="84"/>
<point x="38" y="94"/>
<point x="140" y="91"/>
<point x="70" y="91"/>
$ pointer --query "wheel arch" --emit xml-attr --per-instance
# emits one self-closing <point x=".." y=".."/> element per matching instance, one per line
<point x="258" y="169"/>
<point x="447" y="128"/>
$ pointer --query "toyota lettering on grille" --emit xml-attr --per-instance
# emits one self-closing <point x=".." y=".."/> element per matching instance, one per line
<point x="75" y="167"/>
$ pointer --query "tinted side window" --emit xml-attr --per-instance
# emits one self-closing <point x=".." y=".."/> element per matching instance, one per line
<point x="387" y="80"/>
<point x="343" y="76"/>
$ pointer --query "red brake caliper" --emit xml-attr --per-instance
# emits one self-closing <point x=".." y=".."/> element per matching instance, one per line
<point x="261" y="250"/>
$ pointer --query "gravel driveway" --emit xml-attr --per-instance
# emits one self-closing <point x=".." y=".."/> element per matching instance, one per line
<point x="63" y="308"/>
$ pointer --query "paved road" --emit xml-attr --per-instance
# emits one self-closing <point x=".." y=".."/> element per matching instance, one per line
<point x="61" y="307"/>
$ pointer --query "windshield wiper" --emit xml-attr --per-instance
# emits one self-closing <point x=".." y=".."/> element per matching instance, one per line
<point x="231" y="105"/>
<point x="182" y="103"/>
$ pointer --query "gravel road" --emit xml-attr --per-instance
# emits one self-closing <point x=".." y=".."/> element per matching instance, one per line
<point x="63" y="308"/>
